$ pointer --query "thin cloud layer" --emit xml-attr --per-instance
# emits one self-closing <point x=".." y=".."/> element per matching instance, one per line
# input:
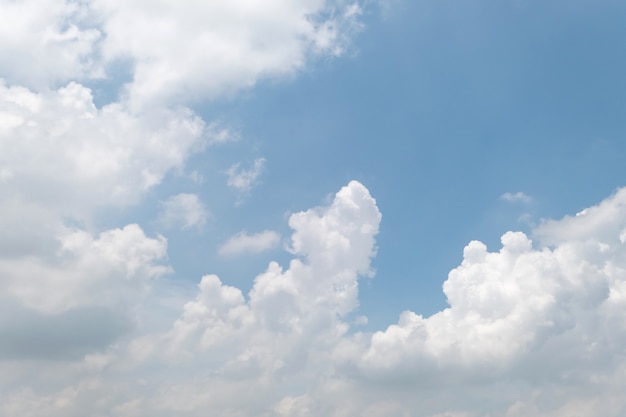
<point x="516" y="197"/>
<point x="244" y="179"/>
<point x="183" y="210"/>
<point x="245" y="243"/>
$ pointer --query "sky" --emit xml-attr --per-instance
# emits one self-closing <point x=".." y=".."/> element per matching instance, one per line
<point x="379" y="208"/>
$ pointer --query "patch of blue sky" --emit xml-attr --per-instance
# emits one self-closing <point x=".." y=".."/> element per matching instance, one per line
<point x="440" y="108"/>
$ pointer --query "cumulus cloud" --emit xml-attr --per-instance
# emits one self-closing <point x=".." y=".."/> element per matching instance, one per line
<point x="182" y="52"/>
<point x="57" y="150"/>
<point x="245" y="243"/>
<point x="209" y="49"/>
<point x="111" y="268"/>
<point x="183" y="210"/>
<point x="48" y="45"/>
<point x="533" y="328"/>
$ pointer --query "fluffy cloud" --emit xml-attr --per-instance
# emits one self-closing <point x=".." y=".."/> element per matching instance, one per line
<point x="57" y="150"/>
<point x="526" y="316"/>
<point x="267" y="344"/>
<point x="255" y="243"/>
<point x="183" y="51"/>
<point x="109" y="269"/>
<point x="186" y="50"/>
<point x="535" y="328"/>
<point x="50" y="44"/>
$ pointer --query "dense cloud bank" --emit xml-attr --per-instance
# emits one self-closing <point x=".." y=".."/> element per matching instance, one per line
<point x="92" y="324"/>
<point x="532" y="329"/>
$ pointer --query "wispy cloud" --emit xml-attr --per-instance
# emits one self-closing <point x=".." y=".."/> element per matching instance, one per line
<point x="217" y="133"/>
<point x="518" y="197"/>
<point x="246" y="243"/>
<point x="244" y="179"/>
<point x="183" y="210"/>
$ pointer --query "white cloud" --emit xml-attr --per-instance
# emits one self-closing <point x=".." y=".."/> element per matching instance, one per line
<point x="218" y="47"/>
<point x="183" y="51"/>
<point x="254" y="243"/>
<point x="183" y="210"/>
<point x="531" y="330"/>
<point x="218" y="134"/>
<point x="49" y="44"/>
<point x="65" y="154"/>
<point x="112" y="268"/>
<point x="516" y="197"/>
<point x="244" y="179"/>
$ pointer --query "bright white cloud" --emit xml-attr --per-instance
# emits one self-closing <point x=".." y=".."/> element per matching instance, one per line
<point x="189" y="50"/>
<point x="49" y="44"/>
<point x="522" y="332"/>
<point x="63" y="153"/>
<point x="182" y="51"/>
<point x="245" y="243"/>
<point x="516" y="197"/>
<point x="244" y="179"/>
<point x="183" y="210"/>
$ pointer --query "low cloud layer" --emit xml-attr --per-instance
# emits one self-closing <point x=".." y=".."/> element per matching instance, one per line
<point x="534" y="328"/>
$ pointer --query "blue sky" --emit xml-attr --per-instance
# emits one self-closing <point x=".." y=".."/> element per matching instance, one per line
<point x="328" y="161"/>
<point x="439" y="108"/>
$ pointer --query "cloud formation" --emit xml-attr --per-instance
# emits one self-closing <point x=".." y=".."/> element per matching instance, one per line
<point x="521" y="332"/>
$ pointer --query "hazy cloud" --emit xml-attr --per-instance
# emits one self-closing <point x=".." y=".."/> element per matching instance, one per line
<point x="244" y="179"/>
<point x="250" y="243"/>
<point x="183" y="210"/>
<point x="516" y="197"/>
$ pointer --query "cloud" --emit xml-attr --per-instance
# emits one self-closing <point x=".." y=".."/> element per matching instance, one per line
<point x="243" y="180"/>
<point x="218" y="134"/>
<point x="525" y="314"/>
<point x="69" y="335"/>
<point x="113" y="267"/>
<point x="516" y="197"/>
<point x="533" y="328"/>
<point x="63" y="153"/>
<point x="263" y="344"/>
<point x="183" y="210"/>
<point x="245" y="243"/>
<point x="176" y="53"/>
<point x="49" y="44"/>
